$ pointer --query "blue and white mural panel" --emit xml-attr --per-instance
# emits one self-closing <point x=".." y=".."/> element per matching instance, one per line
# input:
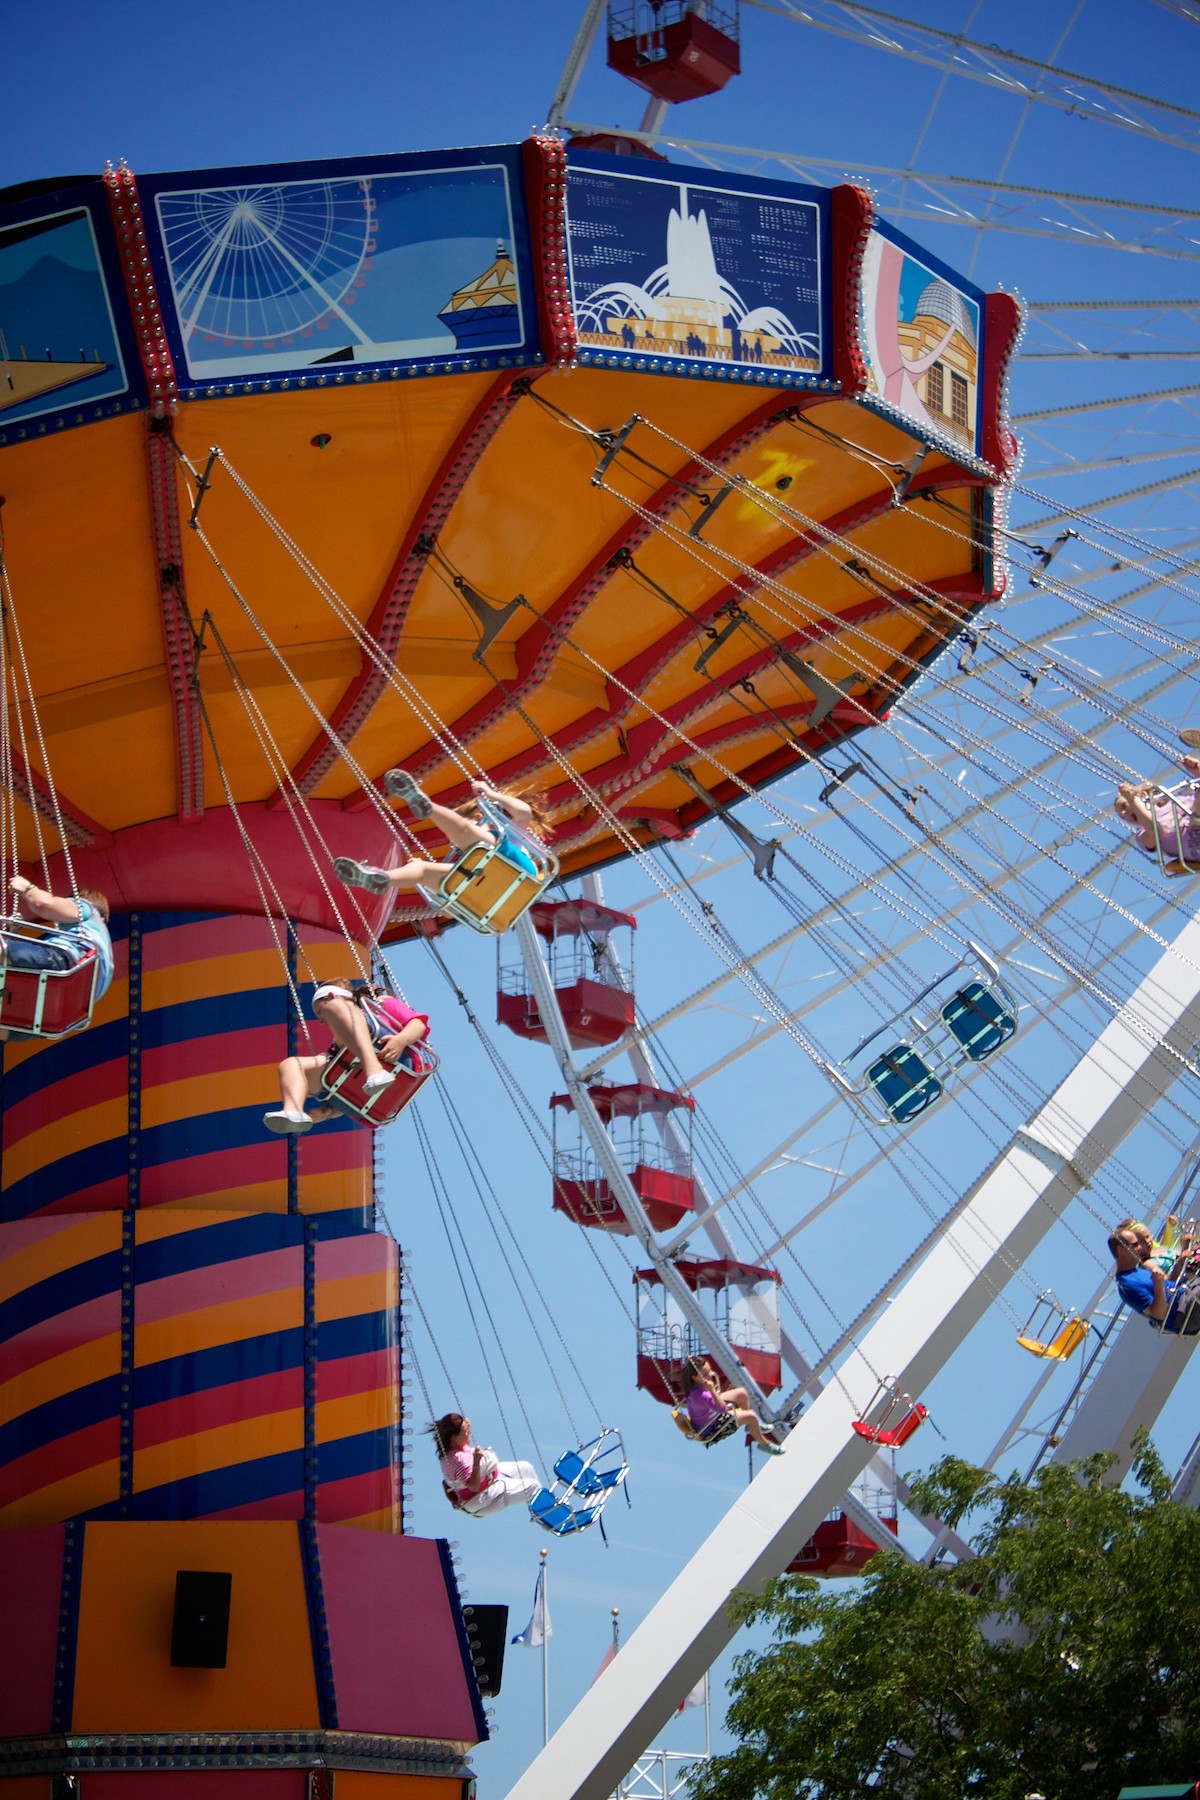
<point x="698" y="274"/>
<point x="331" y="269"/>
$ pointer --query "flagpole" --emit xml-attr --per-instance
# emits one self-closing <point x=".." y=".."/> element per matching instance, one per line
<point x="708" y="1715"/>
<point x="545" y="1654"/>
<point x="616" y="1629"/>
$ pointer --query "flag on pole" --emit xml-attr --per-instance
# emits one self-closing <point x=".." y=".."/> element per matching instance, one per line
<point x="697" y="1696"/>
<point x="604" y="1662"/>
<point x="539" y="1627"/>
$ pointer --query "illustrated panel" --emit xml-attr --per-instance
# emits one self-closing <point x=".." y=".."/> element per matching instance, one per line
<point x="686" y="275"/>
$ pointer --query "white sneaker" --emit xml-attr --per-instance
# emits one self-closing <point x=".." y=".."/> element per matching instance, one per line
<point x="373" y="1083"/>
<point x="360" y="875"/>
<point x="287" y="1124"/>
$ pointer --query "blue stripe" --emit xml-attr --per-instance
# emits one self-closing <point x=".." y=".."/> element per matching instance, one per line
<point x="338" y="1338"/>
<point x="167" y="921"/>
<point x="215" y="1015"/>
<point x="217" y="1489"/>
<point x="68" y="1175"/>
<point x="346" y="1221"/>
<point x="233" y="1238"/>
<point x="363" y="1454"/>
<point x="58" y="1293"/>
<point x="224" y="1365"/>
<point x="60" y="1418"/>
<point x="236" y="1128"/>
<point x="88" y="1049"/>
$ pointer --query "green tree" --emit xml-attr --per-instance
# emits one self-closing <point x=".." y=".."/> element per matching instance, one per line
<point x="1065" y="1661"/>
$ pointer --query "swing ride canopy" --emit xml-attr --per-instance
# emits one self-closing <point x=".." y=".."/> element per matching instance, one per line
<point x="530" y="461"/>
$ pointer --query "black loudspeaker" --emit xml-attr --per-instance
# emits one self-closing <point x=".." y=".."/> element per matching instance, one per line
<point x="64" y="1787"/>
<point x="200" y="1625"/>
<point x="487" y="1632"/>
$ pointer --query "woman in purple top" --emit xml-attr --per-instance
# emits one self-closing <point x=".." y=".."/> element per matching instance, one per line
<point x="1164" y="823"/>
<point x="707" y="1402"/>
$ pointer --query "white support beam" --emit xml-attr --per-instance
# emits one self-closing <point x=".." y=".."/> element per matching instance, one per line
<point x="1012" y="1206"/>
<point x="1128" y="1392"/>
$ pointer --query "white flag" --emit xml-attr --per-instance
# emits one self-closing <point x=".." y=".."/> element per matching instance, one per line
<point x="697" y="1696"/>
<point x="539" y="1627"/>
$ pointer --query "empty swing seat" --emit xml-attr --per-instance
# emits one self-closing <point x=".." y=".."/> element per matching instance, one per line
<point x="904" y="1082"/>
<point x="49" y="1003"/>
<point x="978" y="1020"/>
<point x="1059" y="1347"/>
<point x="342" y="1085"/>
<point x="583" y="1481"/>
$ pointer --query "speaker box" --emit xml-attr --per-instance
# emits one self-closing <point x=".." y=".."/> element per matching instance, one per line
<point x="200" y="1625"/>
<point x="64" y="1787"/>
<point x="487" y="1631"/>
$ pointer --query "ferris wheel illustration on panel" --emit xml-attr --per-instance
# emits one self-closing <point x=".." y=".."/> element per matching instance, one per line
<point x="261" y="266"/>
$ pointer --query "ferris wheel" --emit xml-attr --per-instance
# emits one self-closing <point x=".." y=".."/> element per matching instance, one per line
<point x="261" y="265"/>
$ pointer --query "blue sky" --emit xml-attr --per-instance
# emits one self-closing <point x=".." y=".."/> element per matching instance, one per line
<point x="251" y="85"/>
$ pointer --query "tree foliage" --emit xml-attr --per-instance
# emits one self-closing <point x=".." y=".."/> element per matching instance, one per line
<point x="1065" y="1661"/>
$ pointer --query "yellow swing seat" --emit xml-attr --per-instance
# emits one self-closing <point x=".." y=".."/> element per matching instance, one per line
<point x="1059" y="1347"/>
<point x="489" y="887"/>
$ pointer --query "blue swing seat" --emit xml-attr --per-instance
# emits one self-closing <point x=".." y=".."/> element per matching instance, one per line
<point x="904" y="1082"/>
<point x="583" y="1481"/>
<point x="979" y="1020"/>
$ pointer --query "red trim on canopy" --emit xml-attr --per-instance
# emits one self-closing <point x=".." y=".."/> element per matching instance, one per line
<point x="630" y="1102"/>
<point x="715" y="1274"/>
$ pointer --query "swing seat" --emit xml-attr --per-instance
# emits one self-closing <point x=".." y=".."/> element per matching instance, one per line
<point x="489" y="888"/>
<point x="978" y="1020"/>
<point x="556" y="1516"/>
<point x="718" y="1431"/>
<point x="892" y="1437"/>
<point x="1059" y="1347"/>
<point x="48" y="1003"/>
<point x="583" y="1481"/>
<point x="342" y="1085"/>
<point x="904" y="1082"/>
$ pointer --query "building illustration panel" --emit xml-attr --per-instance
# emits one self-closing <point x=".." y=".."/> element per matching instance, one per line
<point x="921" y="337"/>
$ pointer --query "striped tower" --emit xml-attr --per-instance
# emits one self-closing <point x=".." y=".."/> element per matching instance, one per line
<point x="199" y="1378"/>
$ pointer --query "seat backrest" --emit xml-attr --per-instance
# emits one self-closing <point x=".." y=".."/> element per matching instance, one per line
<point x="49" y="1003"/>
<point x="569" y="1466"/>
<point x="978" y="1019"/>
<point x="904" y="1082"/>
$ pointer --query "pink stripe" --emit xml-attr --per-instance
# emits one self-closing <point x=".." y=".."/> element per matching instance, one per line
<point x="371" y="1372"/>
<point x="221" y="1171"/>
<point x="206" y="938"/>
<point x="335" y="1151"/>
<point x="174" y="1296"/>
<point x="366" y="1253"/>
<point x="252" y="1049"/>
<point x="358" y="1494"/>
<point x="48" y="1105"/>
<point x="19" y="1234"/>
<point x="184" y="1415"/>
<point x="84" y="1324"/>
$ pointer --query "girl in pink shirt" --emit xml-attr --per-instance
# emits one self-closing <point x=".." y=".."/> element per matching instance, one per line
<point x="475" y="1480"/>
<point x="374" y="1026"/>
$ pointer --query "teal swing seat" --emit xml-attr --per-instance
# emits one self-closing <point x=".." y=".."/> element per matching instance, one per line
<point x="954" y="1023"/>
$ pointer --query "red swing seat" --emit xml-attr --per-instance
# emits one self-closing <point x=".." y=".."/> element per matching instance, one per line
<point x="342" y="1085"/>
<point x="48" y="1003"/>
<point x="891" y="1437"/>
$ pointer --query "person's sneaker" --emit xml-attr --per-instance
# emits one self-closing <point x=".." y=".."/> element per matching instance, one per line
<point x="1191" y="737"/>
<point x="373" y="1083"/>
<point x="772" y="1449"/>
<point x="287" y="1124"/>
<point x="403" y="786"/>
<point x="360" y="875"/>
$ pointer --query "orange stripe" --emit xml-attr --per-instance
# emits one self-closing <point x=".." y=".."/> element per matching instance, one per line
<point x="356" y="1294"/>
<point x="384" y="1520"/>
<point x="90" y="1126"/>
<point x="60" y="1375"/>
<point x="79" y="1242"/>
<point x="228" y="1324"/>
<point x="261" y="1196"/>
<point x="164" y="1221"/>
<point x="197" y="1094"/>
<point x="221" y="1448"/>
<point x="214" y="975"/>
<point x="356" y="1413"/>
